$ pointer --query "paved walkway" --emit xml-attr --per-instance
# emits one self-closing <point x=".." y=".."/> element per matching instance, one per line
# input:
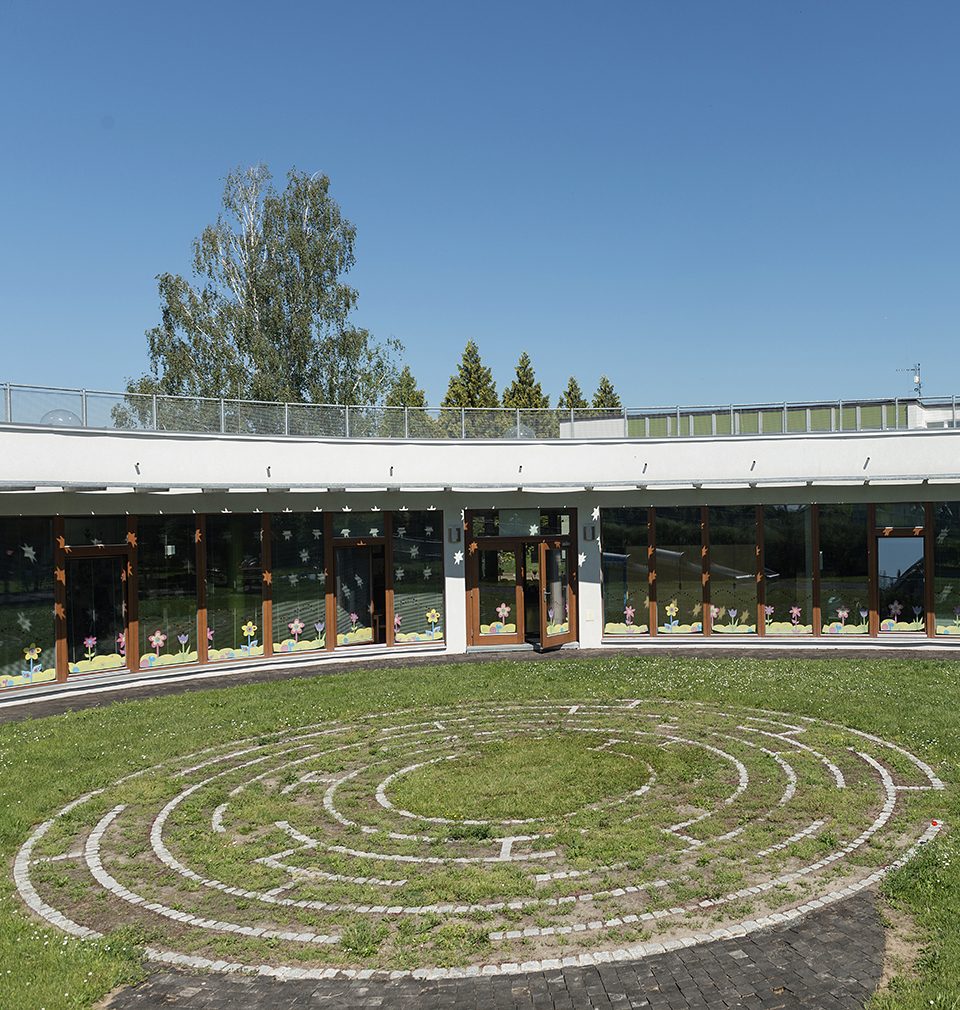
<point x="832" y="959"/>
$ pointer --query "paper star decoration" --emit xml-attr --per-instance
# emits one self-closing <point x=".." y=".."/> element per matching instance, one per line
<point x="287" y="534"/>
<point x="23" y="621"/>
<point x="427" y="572"/>
<point x="317" y="534"/>
<point x="304" y="556"/>
<point x="595" y="514"/>
<point x="344" y="532"/>
<point x="374" y="531"/>
<point x="346" y="508"/>
<point x="534" y="530"/>
<point x="29" y="553"/>
<point x="414" y="551"/>
<point x="399" y="574"/>
<point x="458" y="558"/>
<point x="581" y="559"/>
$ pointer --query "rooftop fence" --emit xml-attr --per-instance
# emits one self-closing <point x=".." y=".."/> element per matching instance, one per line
<point x="106" y="411"/>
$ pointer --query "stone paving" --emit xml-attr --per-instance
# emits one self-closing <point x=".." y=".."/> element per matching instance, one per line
<point x="831" y="959"/>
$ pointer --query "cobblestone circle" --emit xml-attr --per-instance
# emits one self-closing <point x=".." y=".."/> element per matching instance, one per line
<point x="300" y="855"/>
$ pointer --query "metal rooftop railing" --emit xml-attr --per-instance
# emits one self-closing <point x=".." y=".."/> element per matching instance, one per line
<point x="110" y="411"/>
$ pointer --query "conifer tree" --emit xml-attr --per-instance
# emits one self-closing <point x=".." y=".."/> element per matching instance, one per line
<point x="525" y="392"/>
<point x="605" y="398"/>
<point x="572" y="396"/>
<point x="472" y="385"/>
<point x="405" y="392"/>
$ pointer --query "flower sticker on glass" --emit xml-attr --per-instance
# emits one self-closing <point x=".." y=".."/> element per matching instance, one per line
<point x="354" y="618"/>
<point x="90" y="644"/>
<point x="249" y="630"/>
<point x="628" y="613"/>
<point x="795" y="615"/>
<point x="320" y="625"/>
<point x="895" y="608"/>
<point x="32" y="655"/>
<point x="183" y="639"/>
<point x="156" y="641"/>
<point x="843" y="613"/>
<point x="397" y="621"/>
<point x="503" y="611"/>
<point x="122" y="643"/>
<point x="296" y="628"/>
<point x="433" y="618"/>
<point x="768" y="613"/>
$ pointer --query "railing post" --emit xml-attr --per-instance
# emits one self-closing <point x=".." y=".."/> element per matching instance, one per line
<point x="286" y="419"/>
<point x="518" y="422"/>
<point x="346" y="415"/>
<point x="83" y="407"/>
<point x="954" y="400"/>
<point x="156" y="420"/>
<point x="8" y="404"/>
<point x="896" y="413"/>
<point x="839" y="415"/>
<point x="732" y="432"/>
<point x="223" y="417"/>
<point x="785" y="425"/>
<point x="678" y="420"/>
<point x="626" y="427"/>
<point x="406" y="422"/>
<point x="463" y="422"/>
<point x="573" y="424"/>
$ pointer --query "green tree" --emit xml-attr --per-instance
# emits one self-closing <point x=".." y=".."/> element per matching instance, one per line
<point x="572" y="396"/>
<point x="266" y="315"/>
<point x="525" y="392"/>
<point x="472" y="385"/>
<point x="404" y="392"/>
<point x="605" y="398"/>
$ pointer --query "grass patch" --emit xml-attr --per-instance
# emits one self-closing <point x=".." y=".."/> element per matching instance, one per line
<point x="45" y="763"/>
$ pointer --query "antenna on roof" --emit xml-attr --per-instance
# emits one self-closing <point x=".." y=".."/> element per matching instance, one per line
<point x="915" y="371"/>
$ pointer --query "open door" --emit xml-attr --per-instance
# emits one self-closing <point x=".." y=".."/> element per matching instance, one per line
<point x="558" y="596"/>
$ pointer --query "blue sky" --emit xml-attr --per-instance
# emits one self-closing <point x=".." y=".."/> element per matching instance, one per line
<point x="706" y="201"/>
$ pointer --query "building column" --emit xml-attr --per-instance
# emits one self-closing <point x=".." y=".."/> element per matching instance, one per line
<point x="589" y="589"/>
<point x="454" y="579"/>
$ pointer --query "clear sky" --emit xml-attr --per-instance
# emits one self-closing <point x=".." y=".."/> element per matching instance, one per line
<point x="707" y="201"/>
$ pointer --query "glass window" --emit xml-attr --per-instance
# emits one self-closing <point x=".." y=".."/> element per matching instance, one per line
<point x="626" y="589"/>
<point x="733" y="569"/>
<point x="234" y="587"/>
<point x="679" y="570"/>
<point x="361" y="594"/>
<point x="96" y="613"/>
<point x="358" y="525"/>
<point x="84" y="531"/>
<point x="900" y="583"/>
<point x="299" y="582"/>
<point x="497" y="582"/>
<point x="844" y="586"/>
<point x="908" y="515"/>
<point x="417" y="577"/>
<point x="788" y="569"/>
<point x="166" y="553"/>
<point x="27" y="635"/>
<point x="520" y="523"/>
<point x="946" y="567"/>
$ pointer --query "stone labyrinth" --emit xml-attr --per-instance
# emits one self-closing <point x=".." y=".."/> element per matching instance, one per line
<point x="482" y="839"/>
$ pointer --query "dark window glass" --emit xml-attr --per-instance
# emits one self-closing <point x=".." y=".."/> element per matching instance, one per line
<point x="234" y="587"/>
<point x="788" y="569"/>
<point x="27" y="635"/>
<point x="417" y="577"/>
<point x="844" y="588"/>
<point x="679" y="570"/>
<point x="84" y="531"/>
<point x="946" y="567"/>
<point x="299" y="582"/>
<point x="733" y="569"/>
<point x="166" y="552"/>
<point x="626" y="590"/>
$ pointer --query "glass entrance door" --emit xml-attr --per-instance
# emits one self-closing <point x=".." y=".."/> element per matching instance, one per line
<point x="900" y="584"/>
<point x="96" y="613"/>
<point x="498" y="609"/>
<point x="557" y="602"/>
<point x="361" y="595"/>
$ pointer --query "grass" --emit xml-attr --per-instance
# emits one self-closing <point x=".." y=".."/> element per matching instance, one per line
<point x="45" y="763"/>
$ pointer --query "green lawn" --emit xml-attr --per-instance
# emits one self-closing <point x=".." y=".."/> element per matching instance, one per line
<point x="46" y="763"/>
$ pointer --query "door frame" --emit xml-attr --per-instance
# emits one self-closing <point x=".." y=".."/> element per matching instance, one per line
<point x="892" y="533"/>
<point x="130" y="624"/>
<point x="518" y="544"/>
<point x="570" y="635"/>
